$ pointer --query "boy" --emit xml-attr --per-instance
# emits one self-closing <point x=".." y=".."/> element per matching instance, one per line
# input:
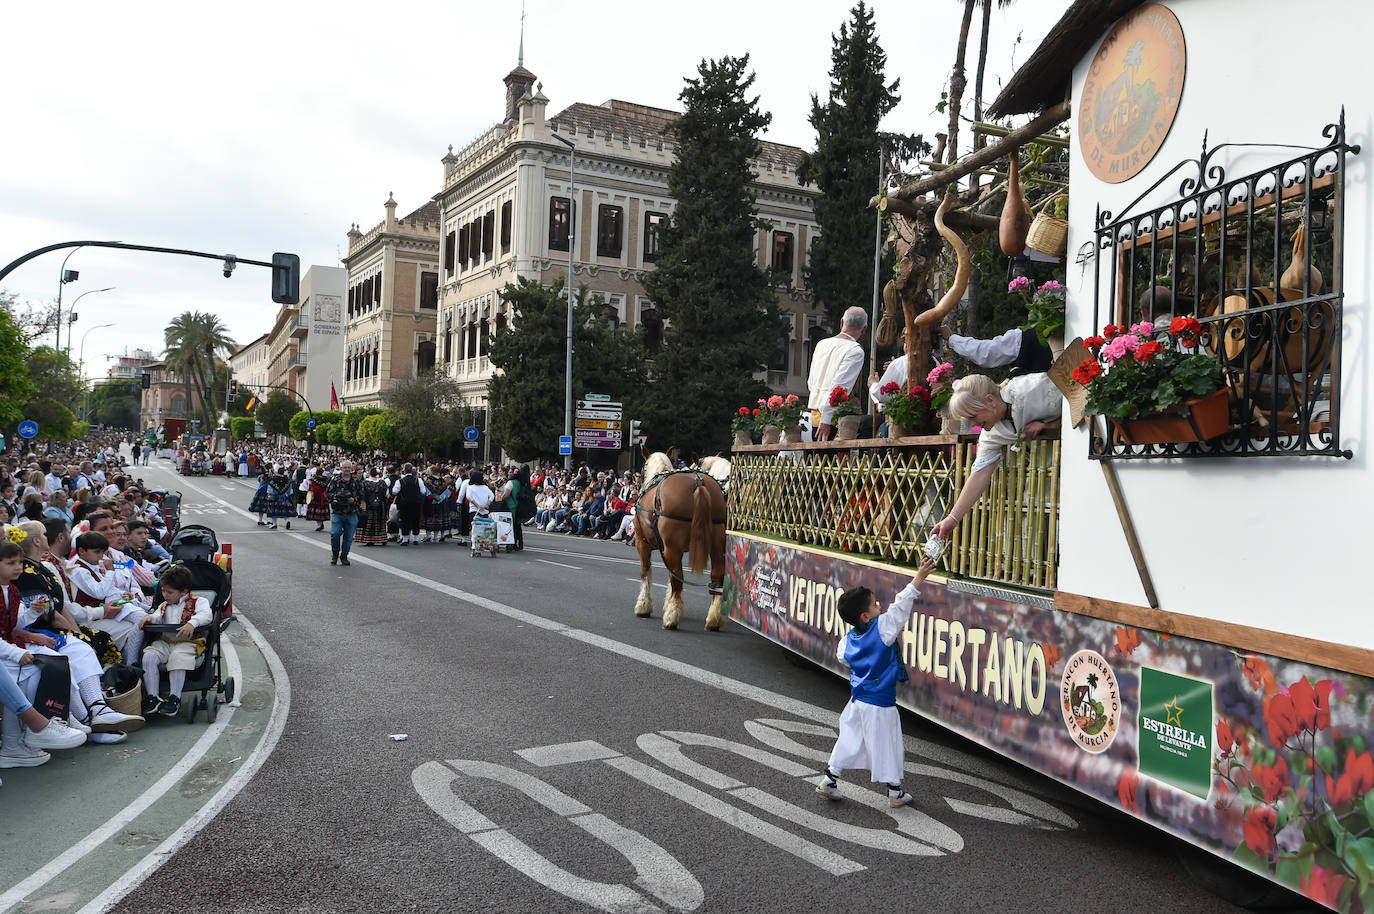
<point x="177" y="650"/>
<point x="102" y="599"/>
<point x="870" y="728"/>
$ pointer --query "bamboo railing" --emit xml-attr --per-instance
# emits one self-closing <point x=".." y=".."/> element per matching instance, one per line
<point x="879" y="501"/>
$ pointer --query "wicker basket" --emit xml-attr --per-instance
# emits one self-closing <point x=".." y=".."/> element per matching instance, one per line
<point x="1049" y="234"/>
<point x="130" y="702"/>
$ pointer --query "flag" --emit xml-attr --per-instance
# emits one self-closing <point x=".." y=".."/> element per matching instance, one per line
<point x="252" y="402"/>
<point x="333" y="398"/>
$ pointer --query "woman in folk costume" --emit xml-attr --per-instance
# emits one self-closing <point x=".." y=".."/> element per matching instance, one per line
<point x="438" y="506"/>
<point x="376" y="501"/>
<point x="273" y="499"/>
<point x="39" y="579"/>
<point x="317" y="505"/>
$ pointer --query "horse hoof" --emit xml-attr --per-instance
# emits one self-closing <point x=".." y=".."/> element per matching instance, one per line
<point x="670" y="626"/>
<point x="713" y="626"/>
<point x="644" y="613"/>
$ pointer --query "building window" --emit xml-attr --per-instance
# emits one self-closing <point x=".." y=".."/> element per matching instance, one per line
<point x="653" y="227"/>
<point x="471" y="335"/>
<point x="449" y="240"/>
<point x="558" y="223"/>
<point x="377" y="290"/>
<point x="483" y="331"/>
<point x="462" y="247"/>
<point x="475" y="242"/>
<point x="429" y="290"/>
<point x="783" y="259"/>
<point x="500" y="322"/>
<point x="488" y="232"/>
<point x="609" y="223"/>
<point x="424" y="357"/>
<point x="352" y="295"/>
<point x="506" y="210"/>
<point x="448" y="346"/>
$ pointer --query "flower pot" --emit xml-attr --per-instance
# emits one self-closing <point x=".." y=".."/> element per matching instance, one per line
<point x="897" y="431"/>
<point x="792" y="435"/>
<point x="771" y="434"/>
<point x="742" y="438"/>
<point x="1211" y="414"/>
<point x="847" y="428"/>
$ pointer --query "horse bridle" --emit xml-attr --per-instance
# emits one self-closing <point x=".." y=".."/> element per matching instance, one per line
<point x="656" y="512"/>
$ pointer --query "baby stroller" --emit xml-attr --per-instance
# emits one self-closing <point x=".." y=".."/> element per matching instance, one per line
<point x="211" y="582"/>
<point x="193" y="543"/>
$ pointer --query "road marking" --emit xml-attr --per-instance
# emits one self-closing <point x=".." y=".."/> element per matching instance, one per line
<point x="276" y="724"/>
<point x="636" y="581"/>
<point x="560" y="564"/>
<point x="582" y="555"/>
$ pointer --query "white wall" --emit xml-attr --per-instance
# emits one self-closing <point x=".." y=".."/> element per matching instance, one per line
<point x="324" y="294"/>
<point x="1275" y="543"/>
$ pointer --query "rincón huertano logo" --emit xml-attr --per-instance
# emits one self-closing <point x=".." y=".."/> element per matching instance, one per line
<point x="1090" y="700"/>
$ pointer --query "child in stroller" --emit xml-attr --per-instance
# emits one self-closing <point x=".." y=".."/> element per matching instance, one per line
<point x="176" y="650"/>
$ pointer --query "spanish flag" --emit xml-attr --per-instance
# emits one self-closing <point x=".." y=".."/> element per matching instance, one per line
<point x="252" y="402"/>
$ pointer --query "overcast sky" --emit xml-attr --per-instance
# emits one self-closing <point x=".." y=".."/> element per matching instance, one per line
<point x="254" y="127"/>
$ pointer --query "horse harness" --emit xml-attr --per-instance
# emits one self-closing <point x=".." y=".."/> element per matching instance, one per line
<point x="656" y="511"/>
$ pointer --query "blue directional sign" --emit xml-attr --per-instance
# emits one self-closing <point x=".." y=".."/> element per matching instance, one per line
<point x="310" y="423"/>
<point x="470" y="433"/>
<point x="28" y="429"/>
<point x="564" y="445"/>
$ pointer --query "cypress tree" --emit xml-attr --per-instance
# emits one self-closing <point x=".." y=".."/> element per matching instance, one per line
<point x="721" y="314"/>
<point x="845" y="166"/>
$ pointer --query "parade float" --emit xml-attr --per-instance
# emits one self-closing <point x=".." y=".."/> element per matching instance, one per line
<point x="1169" y="621"/>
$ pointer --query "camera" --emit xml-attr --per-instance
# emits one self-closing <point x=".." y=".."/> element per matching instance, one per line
<point x="229" y="263"/>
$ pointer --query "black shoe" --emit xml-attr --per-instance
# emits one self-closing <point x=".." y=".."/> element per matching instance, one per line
<point x="334" y="559"/>
<point x="343" y="560"/>
<point x="170" y="706"/>
<point x="288" y="525"/>
<point x="150" y="704"/>
<point x="320" y="528"/>
<point x="262" y="523"/>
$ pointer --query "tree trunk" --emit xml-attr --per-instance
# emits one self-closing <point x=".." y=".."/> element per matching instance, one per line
<point x="957" y="82"/>
<point x="980" y="140"/>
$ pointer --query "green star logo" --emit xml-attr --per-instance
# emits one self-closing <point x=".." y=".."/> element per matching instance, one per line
<point x="1173" y="712"/>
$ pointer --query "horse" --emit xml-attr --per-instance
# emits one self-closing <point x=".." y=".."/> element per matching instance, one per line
<point x="679" y="511"/>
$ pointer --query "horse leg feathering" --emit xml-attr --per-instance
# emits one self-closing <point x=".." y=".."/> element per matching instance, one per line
<point x="672" y="603"/>
<point x="644" y="606"/>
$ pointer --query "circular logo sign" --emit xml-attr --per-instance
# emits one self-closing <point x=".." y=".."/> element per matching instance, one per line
<point x="1090" y="700"/>
<point x="28" y="428"/>
<point x="1132" y="93"/>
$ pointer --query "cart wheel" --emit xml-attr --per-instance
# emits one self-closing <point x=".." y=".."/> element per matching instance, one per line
<point x="212" y="710"/>
<point x="228" y="688"/>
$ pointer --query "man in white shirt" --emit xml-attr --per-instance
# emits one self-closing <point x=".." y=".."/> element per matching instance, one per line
<point x="1019" y="348"/>
<point x="837" y="362"/>
<point x="53" y="481"/>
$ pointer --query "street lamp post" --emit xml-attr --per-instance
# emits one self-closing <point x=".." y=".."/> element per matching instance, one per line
<point x="81" y="365"/>
<point x="63" y="277"/>
<point x="572" y="221"/>
<point x="71" y="313"/>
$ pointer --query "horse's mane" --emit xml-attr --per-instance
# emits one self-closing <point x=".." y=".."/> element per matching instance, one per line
<point x="718" y="467"/>
<point x="657" y="463"/>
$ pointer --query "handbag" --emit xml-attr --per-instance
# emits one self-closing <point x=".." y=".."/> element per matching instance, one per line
<point x="53" y="697"/>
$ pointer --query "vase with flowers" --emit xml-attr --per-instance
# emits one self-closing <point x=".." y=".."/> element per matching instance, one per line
<point x="745" y="424"/>
<point x="941" y="381"/>
<point x="781" y="416"/>
<point x="1044" y="310"/>
<point x="1157" y="386"/>
<point x="908" y="412"/>
<point x="846" y="416"/>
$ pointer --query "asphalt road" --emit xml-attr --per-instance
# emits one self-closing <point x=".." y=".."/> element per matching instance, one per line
<point x="564" y="755"/>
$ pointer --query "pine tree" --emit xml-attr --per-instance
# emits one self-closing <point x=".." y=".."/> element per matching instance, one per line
<point x="721" y="315"/>
<point x="529" y="385"/>
<point x="845" y="166"/>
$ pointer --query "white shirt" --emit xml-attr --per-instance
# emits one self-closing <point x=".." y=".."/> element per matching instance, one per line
<point x="396" y="489"/>
<point x="170" y="614"/>
<point x="836" y="362"/>
<point x="479" y="497"/>
<point x="890" y="623"/>
<point x="51" y="484"/>
<point x="1031" y="397"/>
<point x="993" y="353"/>
<point x="896" y="372"/>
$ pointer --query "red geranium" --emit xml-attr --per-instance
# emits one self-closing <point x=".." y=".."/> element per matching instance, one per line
<point x="919" y="393"/>
<point x="1094" y="343"/>
<point x="1147" y="351"/>
<point x="1186" y="329"/>
<point x="757" y="413"/>
<point x="1086" y="371"/>
<point x="1112" y="331"/>
<point x="1259" y="830"/>
<point x="890" y="388"/>
<point x="1323" y="886"/>
<point x="838" y="395"/>
<point x="744" y="410"/>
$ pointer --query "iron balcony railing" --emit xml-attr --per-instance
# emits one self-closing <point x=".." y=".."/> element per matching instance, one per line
<point x="879" y="501"/>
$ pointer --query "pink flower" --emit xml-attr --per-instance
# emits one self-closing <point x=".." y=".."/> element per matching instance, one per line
<point x="1144" y="328"/>
<point x="774" y="401"/>
<point x="793" y="399"/>
<point x="1118" y="348"/>
<point x="939" y="374"/>
<point x="762" y="402"/>
<point x="1019" y="284"/>
<point x="1050" y="285"/>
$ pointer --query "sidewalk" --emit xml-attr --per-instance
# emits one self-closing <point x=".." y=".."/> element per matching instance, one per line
<point x="80" y="831"/>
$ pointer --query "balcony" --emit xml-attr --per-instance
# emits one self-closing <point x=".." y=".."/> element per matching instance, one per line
<point x="296" y="360"/>
<point x="878" y="500"/>
<point x="299" y="326"/>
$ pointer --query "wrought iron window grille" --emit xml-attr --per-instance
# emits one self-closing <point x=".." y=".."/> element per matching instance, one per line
<point x="1220" y="251"/>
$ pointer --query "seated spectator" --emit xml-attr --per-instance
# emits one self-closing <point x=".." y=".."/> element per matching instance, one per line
<point x="23" y="746"/>
<point x="610" y="521"/>
<point x="585" y="520"/>
<point x="33" y="507"/>
<point x="143" y="548"/>
<point x="57" y="507"/>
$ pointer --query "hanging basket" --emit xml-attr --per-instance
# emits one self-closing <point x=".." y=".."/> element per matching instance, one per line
<point x="1211" y="416"/>
<point x="1049" y="234"/>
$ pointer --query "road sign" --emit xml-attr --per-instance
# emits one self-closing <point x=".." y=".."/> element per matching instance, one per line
<point x="598" y="438"/>
<point x="28" y="429"/>
<point x="605" y="398"/>
<point x="470" y="445"/>
<point x="564" y="445"/>
<point x="470" y="433"/>
<point x="598" y="404"/>
<point x="613" y="414"/>
<point x="309" y="423"/>
<point x="598" y="423"/>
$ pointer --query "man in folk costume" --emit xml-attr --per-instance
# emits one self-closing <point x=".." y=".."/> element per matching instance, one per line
<point x="837" y="362"/>
<point x="95" y="593"/>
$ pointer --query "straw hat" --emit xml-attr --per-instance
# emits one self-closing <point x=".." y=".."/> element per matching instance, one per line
<point x="1061" y="373"/>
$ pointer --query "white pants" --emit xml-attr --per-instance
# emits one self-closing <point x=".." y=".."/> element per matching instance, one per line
<point x="870" y="737"/>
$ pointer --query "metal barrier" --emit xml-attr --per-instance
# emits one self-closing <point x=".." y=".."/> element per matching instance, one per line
<point x="879" y="501"/>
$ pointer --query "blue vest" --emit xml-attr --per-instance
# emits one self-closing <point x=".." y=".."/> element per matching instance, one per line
<point x="874" y="668"/>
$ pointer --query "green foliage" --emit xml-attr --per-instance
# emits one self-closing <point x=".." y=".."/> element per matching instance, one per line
<point x="1131" y="387"/>
<point x="352" y="419"/>
<point x="378" y="432"/>
<point x="242" y="428"/>
<point x="275" y="414"/>
<point x="845" y="164"/>
<point x="194" y="339"/>
<point x="55" y="384"/>
<point x="114" y="404"/>
<point x="528" y="389"/>
<point x="428" y="413"/>
<point x="299" y="420"/>
<point x="16" y="386"/>
<point x="707" y="284"/>
<point x="329" y="433"/>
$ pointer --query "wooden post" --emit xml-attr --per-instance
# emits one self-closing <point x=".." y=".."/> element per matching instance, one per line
<point x="1127" y="527"/>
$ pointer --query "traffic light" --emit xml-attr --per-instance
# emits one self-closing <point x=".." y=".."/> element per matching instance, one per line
<point x="310" y="434"/>
<point x="634" y="432"/>
<point x="145" y="380"/>
<point x="286" y="279"/>
<point x="233" y="391"/>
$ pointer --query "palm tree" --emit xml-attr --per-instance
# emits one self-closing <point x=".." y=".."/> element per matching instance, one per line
<point x="193" y="340"/>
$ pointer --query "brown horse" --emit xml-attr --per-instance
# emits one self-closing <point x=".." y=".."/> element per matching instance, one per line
<point x="679" y="511"/>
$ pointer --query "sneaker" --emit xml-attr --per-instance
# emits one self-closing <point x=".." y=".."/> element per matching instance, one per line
<point x="900" y="799"/>
<point x="170" y="707"/>
<point x="150" y="703"/>
<point x="56" y="735"/>
<point x="273" y="526"/>
<point x="108" y="739"/>
<point x="106" y="720"/>
<point x="828" y="789"/>
<point x="74" y="724"/>
<point x="22" y="756"/>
